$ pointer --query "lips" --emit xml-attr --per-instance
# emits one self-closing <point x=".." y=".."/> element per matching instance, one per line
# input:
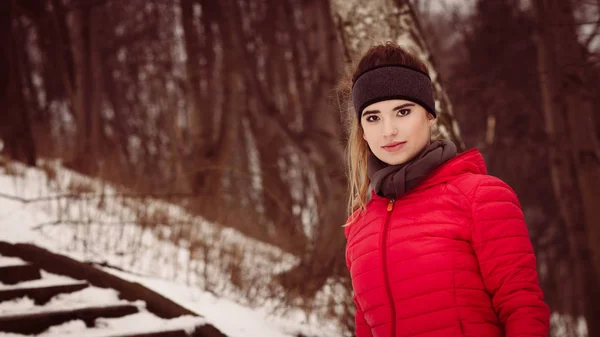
<point x="395" y="146"/>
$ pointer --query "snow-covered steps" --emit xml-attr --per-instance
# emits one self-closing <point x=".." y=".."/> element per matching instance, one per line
<point x="64" y="297"/>
<point x="38" y="322"/>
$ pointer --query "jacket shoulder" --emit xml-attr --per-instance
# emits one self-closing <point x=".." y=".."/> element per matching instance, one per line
<point x="352" y="220"/>
<point x="359" y="219"/>
<point x="472" y="184"/>
<point x="349" y="223"/>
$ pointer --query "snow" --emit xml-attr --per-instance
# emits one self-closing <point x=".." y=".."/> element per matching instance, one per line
<point x="10" y="261"/>
<point x="196" y="269"/>
<point x="136" y="323"/>
<point x="91" y="296"/>
<point x="560" y="322"/>
<point x="218" y="311"/>
<point x="18" y="305"/>
<point x="48" y="279"/>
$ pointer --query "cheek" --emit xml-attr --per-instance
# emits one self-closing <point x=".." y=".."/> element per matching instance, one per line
<point x="417" y="128"/>
<point x="426" y="126"/>
<point x="369" y="133"/>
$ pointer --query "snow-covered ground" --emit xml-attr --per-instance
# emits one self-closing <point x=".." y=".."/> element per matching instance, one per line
<point x="218" y="273"/>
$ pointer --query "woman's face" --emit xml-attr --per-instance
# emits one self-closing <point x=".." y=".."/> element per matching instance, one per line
<point x="396" y="130"/>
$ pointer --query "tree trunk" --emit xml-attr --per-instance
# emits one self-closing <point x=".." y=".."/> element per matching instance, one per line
<point x="393" y="20"/>
<point x="87" y="93"/>
<point x="7" y="73"/>
<point x="15" y="120"/>
<point x="200" y="122"/>
<point x="575" y="153"/>
<point x="324" y="256"/>
<point x="23" y="75"/>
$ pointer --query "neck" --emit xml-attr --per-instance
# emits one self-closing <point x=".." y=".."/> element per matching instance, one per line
<point x="395" y="180"/>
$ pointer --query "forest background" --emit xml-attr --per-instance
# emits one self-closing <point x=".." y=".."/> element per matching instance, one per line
<point x="229" y="109"/>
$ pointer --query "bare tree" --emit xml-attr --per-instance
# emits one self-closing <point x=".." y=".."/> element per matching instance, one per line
<point x="229" y="104"/>
<point x="15" y="115"/>
<point x="87" y="99"/>
<point x="574" y="149"/>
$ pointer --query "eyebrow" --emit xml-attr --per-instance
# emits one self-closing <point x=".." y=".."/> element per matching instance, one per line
<point x="405" y="105"/>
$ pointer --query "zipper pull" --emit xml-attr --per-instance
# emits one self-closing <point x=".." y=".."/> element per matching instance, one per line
<point x="390" y="205"/>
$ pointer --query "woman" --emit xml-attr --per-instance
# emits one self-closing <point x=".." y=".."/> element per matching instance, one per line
<point x="435" y="246"/>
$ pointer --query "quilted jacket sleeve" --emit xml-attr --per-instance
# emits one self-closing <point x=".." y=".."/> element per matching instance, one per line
<point x="362" y="328"/>
<point x="506" y="259"/>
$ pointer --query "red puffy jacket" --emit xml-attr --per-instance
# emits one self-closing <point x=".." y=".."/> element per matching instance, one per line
<point x="450" y="258"/>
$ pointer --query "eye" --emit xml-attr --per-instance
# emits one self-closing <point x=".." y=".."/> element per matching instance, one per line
<point x="403" y="112"/>
<point x="372" y="118"/>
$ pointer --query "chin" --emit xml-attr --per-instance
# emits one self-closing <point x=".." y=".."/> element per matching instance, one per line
<point x="395" y="160"/>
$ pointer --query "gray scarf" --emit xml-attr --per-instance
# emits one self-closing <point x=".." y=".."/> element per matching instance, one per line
<point x="393" y="181"/>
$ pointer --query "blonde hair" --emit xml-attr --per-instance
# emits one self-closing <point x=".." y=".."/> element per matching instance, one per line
<point x="357" y="152"/>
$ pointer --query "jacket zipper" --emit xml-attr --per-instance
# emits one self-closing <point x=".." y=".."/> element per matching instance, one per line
<point x="388" y="288"/>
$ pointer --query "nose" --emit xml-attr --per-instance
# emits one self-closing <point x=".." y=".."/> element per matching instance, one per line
<point x="389" y="129"/>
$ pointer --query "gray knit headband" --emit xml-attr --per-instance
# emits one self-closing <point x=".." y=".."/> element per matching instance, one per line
<point x="392" y="82"/>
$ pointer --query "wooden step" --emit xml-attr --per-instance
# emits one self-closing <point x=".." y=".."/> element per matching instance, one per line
<point x="164" y="333"/>
<point x="41" y="295"/>
<point x="38" y="322"/>
<point x="13" y="274"/>
<point x="206" y="330"/>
